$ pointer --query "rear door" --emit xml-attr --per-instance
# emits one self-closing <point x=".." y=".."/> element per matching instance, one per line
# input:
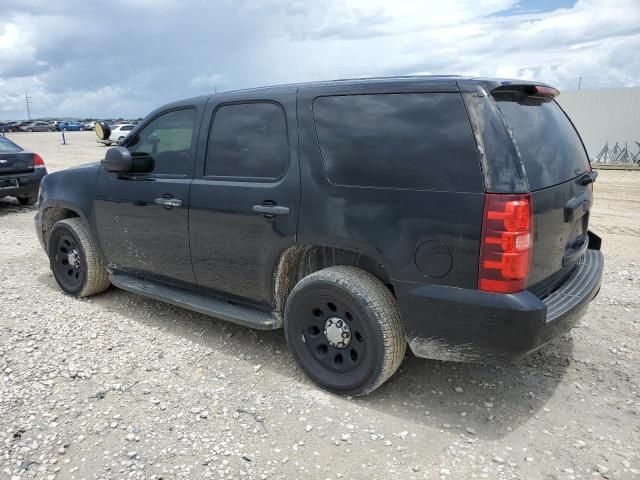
<point x="244" y="198"/>
<point x="558" y="172"/>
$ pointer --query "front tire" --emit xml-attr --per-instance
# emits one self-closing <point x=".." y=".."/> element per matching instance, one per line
<point x="75" y="260"/>
<point x="343" y="327"/>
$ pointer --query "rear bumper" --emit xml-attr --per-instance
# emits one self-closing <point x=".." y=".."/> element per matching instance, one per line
<point x="26" y="183"/>
<point x="469" y="325"/>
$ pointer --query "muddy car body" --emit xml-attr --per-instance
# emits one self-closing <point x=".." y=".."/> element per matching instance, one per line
<point x="446" y="213"/>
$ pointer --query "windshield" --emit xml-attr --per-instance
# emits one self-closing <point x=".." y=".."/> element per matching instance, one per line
<point x="549" y="145"/>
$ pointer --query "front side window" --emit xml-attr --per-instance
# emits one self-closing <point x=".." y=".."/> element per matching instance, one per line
<point x="248" y="141"/>
<point x="165" y="143"/>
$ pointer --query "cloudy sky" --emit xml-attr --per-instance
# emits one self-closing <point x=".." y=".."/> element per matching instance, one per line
<point x="126" y="57"/>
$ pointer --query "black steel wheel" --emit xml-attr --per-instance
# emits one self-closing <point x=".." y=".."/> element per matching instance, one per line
<point x="343" y="327"/>
<point x="75" y="262"/>
<point x="67" y="261"/>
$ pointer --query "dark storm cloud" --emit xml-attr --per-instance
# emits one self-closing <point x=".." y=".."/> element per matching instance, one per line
<point x="126" y="57"/>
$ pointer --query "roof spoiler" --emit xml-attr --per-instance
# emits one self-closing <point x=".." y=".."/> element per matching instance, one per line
<point x="537" y="91"/>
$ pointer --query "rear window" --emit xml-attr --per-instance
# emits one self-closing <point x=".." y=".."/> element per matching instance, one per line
<point x="549" y="146"/>
<point x="248" y="140"/>
<point x="411" y="140"/>
<point x="8" y="146"/>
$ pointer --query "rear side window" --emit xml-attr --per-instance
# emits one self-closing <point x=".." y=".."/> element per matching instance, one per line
<point x="248" y="141"/>
<point x="411" y="140"/>
<point x="549" y="146"/>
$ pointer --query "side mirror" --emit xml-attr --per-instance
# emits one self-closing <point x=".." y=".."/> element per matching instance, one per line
<point x="117" y="159"/>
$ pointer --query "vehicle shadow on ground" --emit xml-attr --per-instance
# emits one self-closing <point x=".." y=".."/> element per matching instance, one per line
<point x="9" y="205"/>
<point x="486" y="401"/>
<point x="474" y="399"/>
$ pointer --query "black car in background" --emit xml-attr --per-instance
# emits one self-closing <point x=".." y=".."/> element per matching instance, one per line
<point x="20" y="172"/>
<point x="448" y="214"/>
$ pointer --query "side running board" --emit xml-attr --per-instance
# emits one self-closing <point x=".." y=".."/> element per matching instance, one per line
<point x="211" y="306"/>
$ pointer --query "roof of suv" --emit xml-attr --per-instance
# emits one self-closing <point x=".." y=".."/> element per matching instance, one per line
<point x="456" y="82"/>
<point x="398" y="84"/>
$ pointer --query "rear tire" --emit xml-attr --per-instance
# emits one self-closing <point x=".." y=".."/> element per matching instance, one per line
<point x="343" y="328"/>
<point x="30" y="199"/>
<point x="75" y="261"/>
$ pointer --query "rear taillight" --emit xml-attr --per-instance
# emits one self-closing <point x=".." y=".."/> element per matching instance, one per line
<point x="544" y="91"/>
<point x="38" y="162"/>
<point x="506" y="243"/>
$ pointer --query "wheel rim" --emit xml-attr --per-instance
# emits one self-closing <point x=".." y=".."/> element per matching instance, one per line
<point x="333" y="334"/>
<point x="68" y="264"/>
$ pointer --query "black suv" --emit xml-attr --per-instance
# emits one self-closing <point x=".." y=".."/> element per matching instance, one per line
<point x="448" y="213"/>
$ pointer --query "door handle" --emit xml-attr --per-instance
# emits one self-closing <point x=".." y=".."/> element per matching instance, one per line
<point x="271" y="211"/>
<point x="168" y="202"/>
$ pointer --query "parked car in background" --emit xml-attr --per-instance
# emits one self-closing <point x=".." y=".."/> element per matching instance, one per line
<point x="119" y="132"/>
<point x="20" y="172"/>
<point x="14" y="126"/>
<point x="70" y="126"/>
<point x="38" y="127"/>
<point x="449" y="215"/>
<point x="90" y="126"/>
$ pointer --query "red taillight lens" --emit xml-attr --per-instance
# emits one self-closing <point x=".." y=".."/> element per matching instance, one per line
<point x="505" y="248"/>
<point x="38" y="162"/>
<point x="543" y="91"/>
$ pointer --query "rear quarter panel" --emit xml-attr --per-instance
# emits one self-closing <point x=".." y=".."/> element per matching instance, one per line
<point x="384" y="223"/>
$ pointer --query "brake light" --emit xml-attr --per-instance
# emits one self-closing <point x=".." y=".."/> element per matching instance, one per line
<point x="38" y="162"/>
<point x="542" y="91"/>
<point x="506" y="243"/>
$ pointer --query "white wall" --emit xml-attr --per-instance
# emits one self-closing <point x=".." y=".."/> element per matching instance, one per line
<point x="608" y="115"/>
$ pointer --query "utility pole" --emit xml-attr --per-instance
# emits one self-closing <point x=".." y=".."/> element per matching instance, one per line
<point x="27" y="99"/>
<point x="579" y="82"/>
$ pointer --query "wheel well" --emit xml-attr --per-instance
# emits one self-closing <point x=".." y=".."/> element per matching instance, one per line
<point x="301" y="260"/>
<point x="51" y="216"/>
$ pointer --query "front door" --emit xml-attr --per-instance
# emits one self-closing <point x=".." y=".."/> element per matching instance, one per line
<point x="142" y="216"/>
<point x="245" y="194"/>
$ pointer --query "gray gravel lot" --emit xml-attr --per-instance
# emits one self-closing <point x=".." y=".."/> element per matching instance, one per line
<point x="119" y="386"/>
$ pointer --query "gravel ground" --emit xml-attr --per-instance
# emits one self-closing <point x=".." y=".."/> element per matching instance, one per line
<point x="119" y="386"/>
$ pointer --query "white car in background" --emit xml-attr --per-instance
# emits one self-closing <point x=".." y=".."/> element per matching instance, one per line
<point x="119" y="132"/>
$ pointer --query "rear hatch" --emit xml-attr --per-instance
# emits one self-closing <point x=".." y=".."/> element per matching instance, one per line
<point x="560" y="180"/>
<point x="13" y="159"/>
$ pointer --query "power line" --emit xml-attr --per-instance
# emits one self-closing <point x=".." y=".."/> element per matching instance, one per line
<point x="27" y="100"/>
